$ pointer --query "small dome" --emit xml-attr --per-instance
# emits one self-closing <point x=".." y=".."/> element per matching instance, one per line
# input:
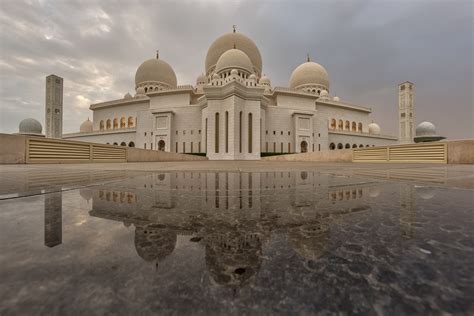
<point x="157" y="71"/>
<point x="425" y="129"/>
<point x="127" y="96"/>
<point x="309" y="73"/>
<point x="265" y="80"/>
<point x="202" y="79"/>
<point x="232" y="40"/>
<point x="215" y="76"/>
<point x="234" y="58"/>
<point x="374" y="129"/>
<point x="30" y="126"/>
<point x="86" y="126"/>
<point x="234" y="72"/>
<point x="336" y="98"/>
<point x="140" y="91"/>
<point x="252" y="77"/>
<point x="324" y="95"/>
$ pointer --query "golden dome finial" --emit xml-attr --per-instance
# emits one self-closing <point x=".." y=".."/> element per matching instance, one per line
<point x="308" y="59"/>
<point x="234" y="27"/>
<point x="157" y="54"/>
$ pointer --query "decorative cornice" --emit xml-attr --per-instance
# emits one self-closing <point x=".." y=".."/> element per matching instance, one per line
<point x="118" y="102"/>
<point x="348" y="133"/>
<point x="233" y="88"/>
<point x="104" y="132"/>
<point x="344" y="105"/>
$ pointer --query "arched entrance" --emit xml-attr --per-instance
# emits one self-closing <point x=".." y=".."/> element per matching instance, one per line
<point x="131" y="144"/>
<point x="161" y="145"/>
<point x="304" y="147"/>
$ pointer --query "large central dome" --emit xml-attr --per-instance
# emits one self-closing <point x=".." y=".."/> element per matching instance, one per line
<point x="230" y="41"/>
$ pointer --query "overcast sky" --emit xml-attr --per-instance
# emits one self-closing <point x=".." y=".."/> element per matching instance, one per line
<point x="368" y="47"/>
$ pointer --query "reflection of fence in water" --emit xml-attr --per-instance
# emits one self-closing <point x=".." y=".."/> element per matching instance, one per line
<point x="432" y="175"/>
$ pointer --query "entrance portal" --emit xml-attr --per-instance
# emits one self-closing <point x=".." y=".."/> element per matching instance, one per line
<point x="304" y="147"/>
<point x="161" y="145"/>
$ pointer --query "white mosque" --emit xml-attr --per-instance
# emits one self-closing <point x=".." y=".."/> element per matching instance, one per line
<point x="233" y="112"/>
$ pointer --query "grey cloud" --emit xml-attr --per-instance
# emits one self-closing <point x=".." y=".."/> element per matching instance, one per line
<point x="368" y="47"/>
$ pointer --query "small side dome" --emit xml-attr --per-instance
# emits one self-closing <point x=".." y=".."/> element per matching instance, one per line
<point x="425" y="129"/>
<point x="140" y="92"/>
<point x="202" y="79"/>
<point x="324" y="95"/>
<point x="336" y="98"/>
<point x="374" y="129"/>
<point x="264" y="80"/>
<point x="253" y="77"/>
<point x="86" y="127"/>
<point x="309" y="74"/>
<point x="234" y="58"/>
<point x="215" y="76"/>
<point x="155" y="71"/>
<point x="234" y="72"/>
<point x="30" y="126"/>
<point x="127" y="96"/>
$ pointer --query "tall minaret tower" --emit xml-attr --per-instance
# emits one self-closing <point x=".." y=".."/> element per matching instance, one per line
<point x="405" y="112"/>
<point x="54" y="107"/>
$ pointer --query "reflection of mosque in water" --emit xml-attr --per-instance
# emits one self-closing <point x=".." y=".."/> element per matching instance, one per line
<point x="231" y="214"/>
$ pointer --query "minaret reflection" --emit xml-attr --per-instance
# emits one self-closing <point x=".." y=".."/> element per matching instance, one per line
<point x="407" y="210"/>
<point x="53" y="231"/>
<point x="231" y="215"/>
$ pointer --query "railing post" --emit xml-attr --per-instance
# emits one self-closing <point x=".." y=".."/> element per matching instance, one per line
<point x="91" y="151"/>
<point x="388" y="153"/>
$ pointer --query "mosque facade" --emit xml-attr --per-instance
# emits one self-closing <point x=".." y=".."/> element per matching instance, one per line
<point x="232" y="112"/>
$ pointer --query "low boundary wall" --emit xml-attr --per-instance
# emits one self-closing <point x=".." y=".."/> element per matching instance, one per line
<point x="21" y="149"/>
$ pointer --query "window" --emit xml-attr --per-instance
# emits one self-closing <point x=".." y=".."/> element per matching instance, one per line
<point x="340" y="125"/>
<point x="176" y="147"/>
<point x="151" y="146"/>
<point x="144" y="145"/>
<point x="347" y="127"/>
<point x="289" y="147"/>
<point x="274" y="132"/>
<point x="348" y="146"/>
<point x="240" y="132"/>
<point x="319" y="147"/>
<point x="289" y="133"/>
<point x="109" y="124"/>
<point x="281" y="133"/>
<point x="145" y="133"/>
<point x="340" y="146"/>
<point x="274" y="147"/>
<point x="101" y="125"/>
<point x="116" y="123"/>
<point x="354" y="128"/>
<point x="130" y="122"/>
<point x="184" y="132"/>
<point x="359" y="127"/>
<point x="176" y="132"/>
<point x="123" y="122"/>
<point x="216" y="139"/>
<point x="281" y="147"/>
<point x="191" y="132"/>
<point x="333" y="124"/>
<point x="226" y="131"/>
<point x="161" y="145"/>
<point x="250" y="133"/>
<point x="184" y="147"/>
<point x="266" y="132"/>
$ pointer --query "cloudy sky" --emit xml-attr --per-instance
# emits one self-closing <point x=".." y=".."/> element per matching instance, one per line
<point x="367" y="46"/>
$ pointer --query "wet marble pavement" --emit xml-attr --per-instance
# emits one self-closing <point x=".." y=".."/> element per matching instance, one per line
<point x="300" y="241"/>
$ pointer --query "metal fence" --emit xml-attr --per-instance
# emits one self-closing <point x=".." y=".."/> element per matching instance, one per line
<point x="409" y="153"/>
<point x="46" y="150"/>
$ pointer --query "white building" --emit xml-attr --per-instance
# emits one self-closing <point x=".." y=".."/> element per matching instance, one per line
<point x="233" y="111"/>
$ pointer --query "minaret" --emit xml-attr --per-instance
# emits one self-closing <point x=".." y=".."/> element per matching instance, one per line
<point x="406" y="116"/>
<point x="54" y="107"/>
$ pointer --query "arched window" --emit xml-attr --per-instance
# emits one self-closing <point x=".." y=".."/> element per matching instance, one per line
<point x="304" y="147"/>
<point x="131" y="144"/>
<point x="348" y="146"/>
<point x="250" y="133"/>
<point x="123" y="122"/>
<point x="240" y="132"/>
<point x="130" y="121"/>
<point x="332" y="146"/>
<point x="116" y="123"/>
<point x="340" y="146"/>
<point x="109" y="124"/>
<point x="367" y="145"/>
<point x="226" y="131"/>
<point x="359" y="127"/>
<point x="354" y="146"/>
<point x="360" y="146"/>
<point x="340" y="125"/>
<point x="216" y="132"/>
<point x="101" y="125"/>
<point x="347" y="127"/>
<point x="123" y="144"/>
<point x="115" y="144"/>
<point x="161" y="145"/>
<point x="354" y="126"/>
<point x="333" y="124"/>
<point x="146" y="89"/>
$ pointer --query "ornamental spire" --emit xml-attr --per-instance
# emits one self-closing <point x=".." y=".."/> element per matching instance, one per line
<point x="157" y="54"/>
<point x="234" y="27"/>
<point x="308" y="59"/>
